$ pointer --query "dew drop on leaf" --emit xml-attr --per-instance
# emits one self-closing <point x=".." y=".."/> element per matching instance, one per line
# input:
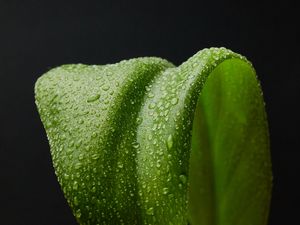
<point x="158" y="165"/>
<point x="120" y="165"/>
<point x="95" y="156"/>
<point x="75" y="185"/>
<point x="93" y="98"/>
<point x="150" y="211"/>
<point x="75" y="201"/>
<point x="135" y="145"/>
<point x="183" y="178"/>
<point x="151" y="105"/>
<point x="165" y="191"/>
<point x="170" y="142"/>
<point x="78" y="213"/>
<point x="174" y="101"/>
<point x="105" y="88"/>
<point x="139" y="120"/>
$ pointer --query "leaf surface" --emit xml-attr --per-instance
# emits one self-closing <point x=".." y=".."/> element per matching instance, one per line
<point x="145" y="142"/>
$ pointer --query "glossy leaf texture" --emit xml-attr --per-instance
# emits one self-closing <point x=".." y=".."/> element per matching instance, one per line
<point x="145" y="142"/>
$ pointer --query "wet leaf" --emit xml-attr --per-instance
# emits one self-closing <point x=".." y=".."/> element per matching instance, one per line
<point x="145" y="142"/>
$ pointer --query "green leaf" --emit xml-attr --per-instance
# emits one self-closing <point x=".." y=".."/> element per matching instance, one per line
<point x="144" y="142"/>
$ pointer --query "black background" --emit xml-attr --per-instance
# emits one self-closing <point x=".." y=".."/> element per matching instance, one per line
<point x="37" y="35"/>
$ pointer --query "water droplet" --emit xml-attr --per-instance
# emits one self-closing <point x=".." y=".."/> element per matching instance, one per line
<point x="174" y="101"/>
<point x="94" y="134"/>
<point x="75" y="201"/>
<point x="81" y="156"/>
<point x="78" y="213"/>
<point x="150" y="95"/>
<point x="165" y="191"/>
<point x="170" y="142"/>
<point x="154" y="127"/>
<point x="75" y="185"/>
<point x="48" y="124"/>
<point x="120" y="165"/>
<point x="95" y="156"/>
<point x="78" y="165"/>
<point x="171" y="196"/>
<point x="135" y="145"/>
<point x="105" y="88"/>
<point x="106" y="101"/>
<point x="183" y="178"/>
<point x="71" y="144"/>
<point x="158" y="165"/>
<point x="93" y="98"/>
<point x="151" y="105"/>
<point x="66" y="176"/>
<point x="150" y="211"/>
<point x="139" y="120"/>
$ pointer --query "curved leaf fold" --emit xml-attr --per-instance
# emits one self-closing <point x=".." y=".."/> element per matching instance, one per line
<point x="145" y="142"/>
